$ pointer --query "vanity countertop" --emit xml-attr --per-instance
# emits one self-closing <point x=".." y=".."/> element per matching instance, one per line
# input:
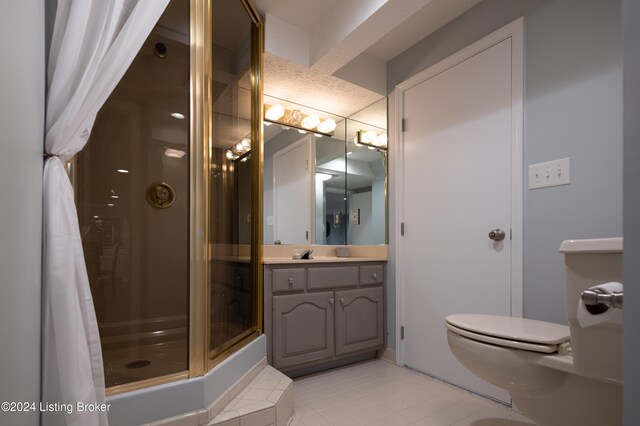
<point x="279" y="254"/>
<point x="282" y="254"/>
<point x="320" y="259"/>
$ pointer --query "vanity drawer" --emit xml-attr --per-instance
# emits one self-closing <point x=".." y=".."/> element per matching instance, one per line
<point x="289" y="279"/>
<point x="371" y="274"/>
<point x="332" y="277"/>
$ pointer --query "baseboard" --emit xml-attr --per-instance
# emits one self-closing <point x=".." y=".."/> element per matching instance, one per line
<point x="388" y="354"/>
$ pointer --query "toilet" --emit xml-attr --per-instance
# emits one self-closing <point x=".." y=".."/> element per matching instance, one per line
<point x="555" y="374"/>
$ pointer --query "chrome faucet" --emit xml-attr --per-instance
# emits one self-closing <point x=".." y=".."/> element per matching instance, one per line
<point x="306" y="254"/>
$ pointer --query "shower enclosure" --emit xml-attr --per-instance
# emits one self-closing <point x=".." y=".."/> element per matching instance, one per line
<point x="168" y="192"/>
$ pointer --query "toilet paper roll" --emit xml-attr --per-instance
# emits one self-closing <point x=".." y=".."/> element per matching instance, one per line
<point x="612" y="315"/>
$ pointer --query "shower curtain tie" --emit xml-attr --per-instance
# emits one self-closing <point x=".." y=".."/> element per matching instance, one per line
<point x="49" y="155"/>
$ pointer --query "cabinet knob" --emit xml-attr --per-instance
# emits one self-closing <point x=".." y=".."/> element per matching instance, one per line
<point x="342" y="300"/>
<point x="374" y="275"/>
<point x="290" y="281"/>
<point x="331" y="301"/>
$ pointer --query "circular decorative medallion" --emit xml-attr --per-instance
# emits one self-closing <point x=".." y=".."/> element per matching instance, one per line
<point x="294" y="118"/>
<point x="161" y="195"/>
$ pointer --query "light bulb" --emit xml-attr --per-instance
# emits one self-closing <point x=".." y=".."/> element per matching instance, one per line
<point x="174" y="153"/>
<point x="323" y="176"/>
<point x="327" y="126"/>
<point x="369" y="136"/>
<point x="310" y="121"/>
<point x="275" y="112"/>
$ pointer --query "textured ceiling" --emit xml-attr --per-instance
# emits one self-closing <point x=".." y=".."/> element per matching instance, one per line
<point x="339" y="34"/>
<point x="293" y="82"/>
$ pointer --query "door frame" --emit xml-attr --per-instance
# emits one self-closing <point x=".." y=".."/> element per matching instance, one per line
<point x="514" y="31"/>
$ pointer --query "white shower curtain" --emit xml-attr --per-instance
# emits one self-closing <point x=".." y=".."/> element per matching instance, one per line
<point x="93" y="44"/>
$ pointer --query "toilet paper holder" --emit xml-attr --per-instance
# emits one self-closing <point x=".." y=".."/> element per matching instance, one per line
<point x="598" y="301"/>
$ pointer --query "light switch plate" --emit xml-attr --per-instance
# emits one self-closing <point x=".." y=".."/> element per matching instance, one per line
<point x="550" y="173"/>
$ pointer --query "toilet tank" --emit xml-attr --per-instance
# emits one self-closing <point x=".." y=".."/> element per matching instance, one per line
<point x="597" y="350"/>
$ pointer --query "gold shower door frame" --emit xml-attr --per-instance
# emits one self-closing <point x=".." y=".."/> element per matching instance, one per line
<point x="199" y="197"/>
<point x="201" y="147"/>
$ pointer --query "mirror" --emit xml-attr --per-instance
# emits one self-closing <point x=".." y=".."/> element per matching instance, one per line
<point x="324" y="184"/>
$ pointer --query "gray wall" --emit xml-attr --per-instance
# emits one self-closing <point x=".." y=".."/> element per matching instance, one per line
<point x="22" y="35"/>
<point x="573" y="108"/>
<point x="631" y="41"/>
<point x="378" y="212"/>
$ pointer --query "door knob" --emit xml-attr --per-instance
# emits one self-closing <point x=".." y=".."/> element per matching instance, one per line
<point x="497" y="235"/>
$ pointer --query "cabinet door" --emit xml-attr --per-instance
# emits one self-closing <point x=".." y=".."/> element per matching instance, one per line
<point x="302" y="328"/>
<point x="359" y="320"/>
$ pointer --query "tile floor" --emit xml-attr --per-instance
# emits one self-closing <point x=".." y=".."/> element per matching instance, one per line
<point x="267" y="400"/>
<point x="382" y="394"/>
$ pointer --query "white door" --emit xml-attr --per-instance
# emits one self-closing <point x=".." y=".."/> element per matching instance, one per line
<point x="294" y="192"/>
<point x="458" y="151"/>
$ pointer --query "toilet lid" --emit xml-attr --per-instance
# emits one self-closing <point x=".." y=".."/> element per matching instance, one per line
<point x="512" y="332"/>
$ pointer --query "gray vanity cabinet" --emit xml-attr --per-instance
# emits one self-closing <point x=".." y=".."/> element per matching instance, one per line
<point x="323" y="313"/>
<point x="302" y="328"/>
<point x="359" y="320"/>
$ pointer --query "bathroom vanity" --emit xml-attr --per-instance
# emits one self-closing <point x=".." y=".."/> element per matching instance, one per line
<point x="323" y="312"/>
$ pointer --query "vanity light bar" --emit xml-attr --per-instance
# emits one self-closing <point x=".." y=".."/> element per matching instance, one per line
<point x="359" y="141"/>
<point x="299" y="128"/>
<point x="239" y="150"/>
<point x="294" y="119"/>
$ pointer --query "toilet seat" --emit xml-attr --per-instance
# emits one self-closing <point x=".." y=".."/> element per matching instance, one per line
<point x="517" y="333"/>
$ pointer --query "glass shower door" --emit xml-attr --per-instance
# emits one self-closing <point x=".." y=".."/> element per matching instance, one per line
<point x="133" y="206"/>
<point x="166" y="193"/>
<point x="232" y="293"/>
